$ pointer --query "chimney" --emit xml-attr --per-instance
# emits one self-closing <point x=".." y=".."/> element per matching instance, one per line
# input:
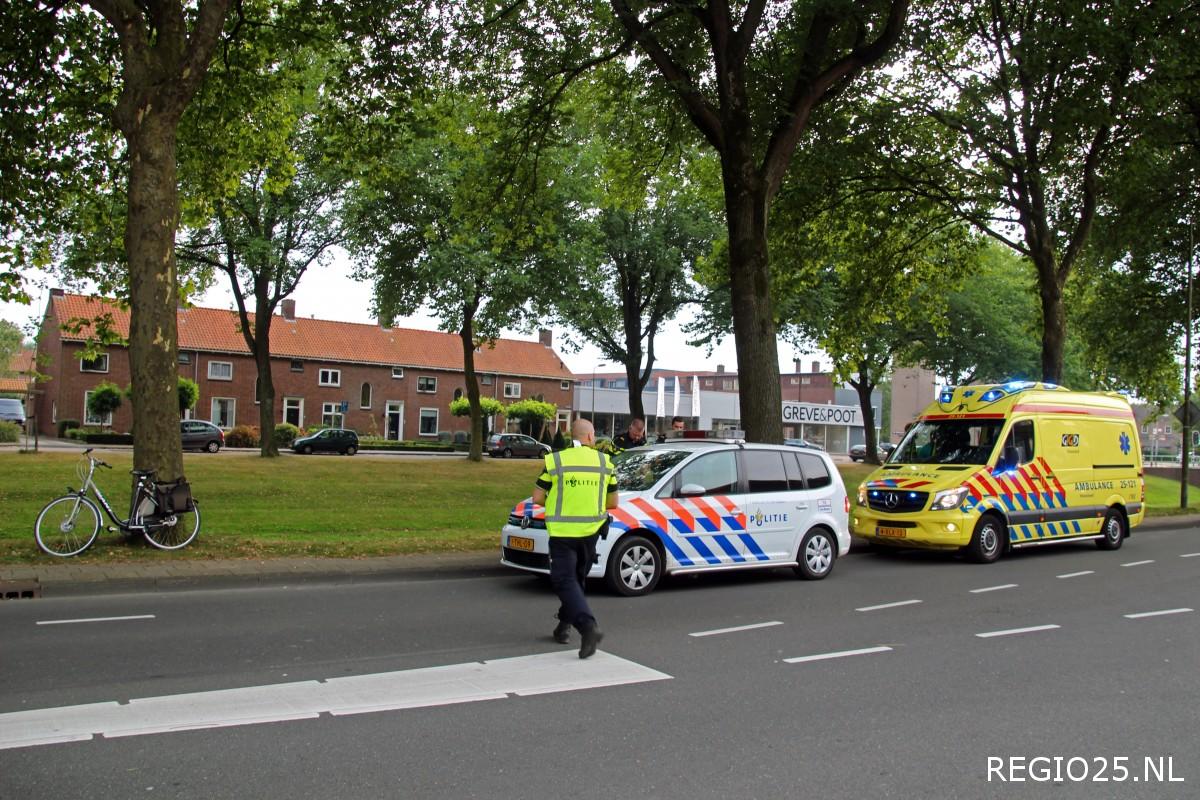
<point x="798" y="370"/>
<point x="288" y="309"/>
<point x="720" y="369"/>
<point x="57" y="293"/>
<point x="546" y="337"/>
<point x="816" y="367"/>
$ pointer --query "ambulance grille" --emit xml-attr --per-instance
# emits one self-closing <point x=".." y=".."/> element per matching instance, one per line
<point x="897" y="501"/>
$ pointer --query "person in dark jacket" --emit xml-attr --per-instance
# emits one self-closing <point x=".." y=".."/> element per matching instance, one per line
<point x="634" y="437"/>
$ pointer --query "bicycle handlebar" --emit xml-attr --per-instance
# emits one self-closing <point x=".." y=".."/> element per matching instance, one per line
<point x="96" y="461"/>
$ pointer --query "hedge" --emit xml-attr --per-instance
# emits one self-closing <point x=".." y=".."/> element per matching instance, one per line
<point x="102" y="437"/>
<point x="10" y="432"/>
<point x="371" y="443"/>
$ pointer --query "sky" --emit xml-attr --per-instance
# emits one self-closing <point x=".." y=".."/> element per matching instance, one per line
<point x="327" y="293"/>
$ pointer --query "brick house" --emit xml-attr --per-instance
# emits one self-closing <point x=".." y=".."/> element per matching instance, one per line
<point x="390" y="382"/>
<point x="14" y="381"/>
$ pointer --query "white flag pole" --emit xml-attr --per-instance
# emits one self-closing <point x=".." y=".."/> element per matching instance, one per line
<point x="696" y="397"/>
<point x="661" y="411"/>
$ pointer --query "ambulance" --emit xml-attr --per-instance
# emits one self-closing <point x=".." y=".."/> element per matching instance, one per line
<point x="987" y="469"/>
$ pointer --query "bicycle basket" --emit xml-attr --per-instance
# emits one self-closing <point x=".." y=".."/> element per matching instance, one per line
<point x="173" y="496"/>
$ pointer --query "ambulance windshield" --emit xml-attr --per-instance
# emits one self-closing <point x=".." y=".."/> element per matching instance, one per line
<point x="949" y="441"/>
<point x="639" y="469"/>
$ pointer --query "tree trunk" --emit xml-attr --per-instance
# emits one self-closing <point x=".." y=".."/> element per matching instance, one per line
<point x="1054" y="325"/>
<point x="467" y="335"/>
<point x="153" y="293"/>
<point x="750" y="292"/>
<point x="266" y="383"/>
<point x="633" y="376"/>
<point x="863" y="387"/>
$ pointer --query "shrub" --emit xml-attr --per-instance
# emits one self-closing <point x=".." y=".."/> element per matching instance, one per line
<point x="105" y="399"/>
<point x="285" y="434"/>
<point x="243" y="436"/>
<point x="10" y="432"/>
<point x="65" y="425"/>
<point x="189" y="393"/>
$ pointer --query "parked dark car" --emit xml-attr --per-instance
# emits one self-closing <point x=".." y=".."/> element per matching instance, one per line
<point x="859" y="451"/>
<point x="507" y="445"/>
<point x="329" y="440"/>
<point x="803" y="443"/>
<point x="200" y="435"/>
<point x="12" y="410"/>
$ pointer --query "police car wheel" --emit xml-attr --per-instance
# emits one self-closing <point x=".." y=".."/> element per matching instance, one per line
<point x="1113" y="530"/>
<point x="816" y="556"/>
<point x="634" y="567"/>
<point x="987" y="543"/>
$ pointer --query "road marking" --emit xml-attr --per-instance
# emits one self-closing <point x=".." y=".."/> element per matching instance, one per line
<point x="360" y="694"/>
<point x="1190" y="555"/>
<point x="1138" y="563"/>
<point x="719" y="631"/>
<point x="842" y="654"/>
<point x="888" y="605"/>
<point x="1158" y="613"/>
<point x="92" y="619"/>
<point x="1015" y="631"/>
<point x="1077" y="574"/>
<point x="994" y="588"/>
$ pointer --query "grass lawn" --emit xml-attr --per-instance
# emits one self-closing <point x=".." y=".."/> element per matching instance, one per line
<point x="321" y="505"/>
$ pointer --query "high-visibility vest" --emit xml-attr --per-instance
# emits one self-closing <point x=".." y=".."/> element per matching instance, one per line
<point x="575" y="504"/>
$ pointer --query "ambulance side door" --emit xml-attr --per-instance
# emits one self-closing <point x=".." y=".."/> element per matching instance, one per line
<point x="1065" y="462"/>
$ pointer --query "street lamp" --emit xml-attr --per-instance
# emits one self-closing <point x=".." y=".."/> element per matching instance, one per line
<point x="598" y="366"/>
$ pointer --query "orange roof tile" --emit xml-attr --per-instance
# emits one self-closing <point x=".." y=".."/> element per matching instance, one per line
<point x="17" y="377"/>
<point x="219" y="331"/>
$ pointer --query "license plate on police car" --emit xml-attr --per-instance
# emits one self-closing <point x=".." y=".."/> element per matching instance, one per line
<point x="891" y="533"/>
<point x="520" y="543"/>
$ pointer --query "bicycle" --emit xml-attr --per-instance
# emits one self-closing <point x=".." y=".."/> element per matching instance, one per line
<point x="165" y="514"/>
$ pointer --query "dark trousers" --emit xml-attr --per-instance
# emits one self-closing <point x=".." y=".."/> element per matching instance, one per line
<point x="570" y="561"/>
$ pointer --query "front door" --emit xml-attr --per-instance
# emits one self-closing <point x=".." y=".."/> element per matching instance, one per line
<point x="707" y="524"/>
<point x="395" y="420"/>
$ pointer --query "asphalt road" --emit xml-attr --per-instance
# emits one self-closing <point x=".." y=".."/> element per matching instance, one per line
<point x="958" y="671"/>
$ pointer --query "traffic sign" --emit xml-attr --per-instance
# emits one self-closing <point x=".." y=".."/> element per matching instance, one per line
<point x="1195" y="415"/>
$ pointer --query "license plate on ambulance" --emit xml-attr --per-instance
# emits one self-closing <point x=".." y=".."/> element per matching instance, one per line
<point x="890" y="533"/>
<point x="520" y="543"/>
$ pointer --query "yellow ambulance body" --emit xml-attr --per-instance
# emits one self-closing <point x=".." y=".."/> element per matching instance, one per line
<point x="989" y="468"/>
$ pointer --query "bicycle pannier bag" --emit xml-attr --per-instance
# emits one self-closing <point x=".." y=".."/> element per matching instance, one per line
<point x="173" y="496"/>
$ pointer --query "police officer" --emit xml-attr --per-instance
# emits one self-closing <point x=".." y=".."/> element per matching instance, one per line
<point x="634" y="437"/>
<point x="576" y="487"/>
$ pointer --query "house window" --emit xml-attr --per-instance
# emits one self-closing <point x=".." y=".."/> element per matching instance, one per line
<point x="708" y="383"/>
<point x="364" y="396"/>
<point x="97" y="364"/>
<point x="220" y="370"/>
<point x="429" y="421"/>
<point x="565" y="386"/>
<point x="329" y="377"/>
<point x="458" y="393"/>
<point x="397" y="372"/>
<point x="293" y="411"/>
<point x="184" y="358"/>
<point x="794" y="381"/>
<point x="805" y="381"/>
<point x="512" y="390"/>
<point x="486" y="380"/>
<point x="224" y="412"/>
<point x="426" y="384"/>
<point x="331" y="415"/>
<point x="91" y="419"/>
<point x="297" y="365"/>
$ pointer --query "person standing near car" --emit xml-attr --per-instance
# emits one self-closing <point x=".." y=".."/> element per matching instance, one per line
<point x="677" y="424"/>
<point x="577" y="487"/>
<point x="634" y="437"/>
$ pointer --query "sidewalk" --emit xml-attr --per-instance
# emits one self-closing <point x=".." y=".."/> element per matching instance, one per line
<point x="59" y="578"/>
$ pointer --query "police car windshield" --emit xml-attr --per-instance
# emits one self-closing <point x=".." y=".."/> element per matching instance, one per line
<point x="639" y="469"/>
<point x="949" y="441"/>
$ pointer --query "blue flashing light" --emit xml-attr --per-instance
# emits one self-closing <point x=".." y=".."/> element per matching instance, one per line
<point x="1016" y="386"/>
<point x="946" y="396"/>
<point x="992" y="394"/>
<point x="969" y="393"/>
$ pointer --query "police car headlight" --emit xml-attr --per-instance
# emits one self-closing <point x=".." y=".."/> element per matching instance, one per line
<point x="948" y="499"/>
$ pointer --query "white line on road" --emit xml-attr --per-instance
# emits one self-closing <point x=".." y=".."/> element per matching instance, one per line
<point x="358" y="694"/>
<point x="1015" y="631"/>
<point x="888" y="605"/>
<point x="1138" y="563"/>
<point x="994" y="588"/>
<point x="719" y="631"/>
<point x="842" y="654"/>
<point x="92" y="619"/>
<point x="1190" y="555"/>
<point x="1158" y="613"/>
<point x="1077" y="574"/>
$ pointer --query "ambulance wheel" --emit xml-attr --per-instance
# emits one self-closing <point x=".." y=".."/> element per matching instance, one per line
<point x="987" y="543"/>
<point x="634" y="566"/>
<point x="817" y="554"/>
<point x="1113" y="530"/>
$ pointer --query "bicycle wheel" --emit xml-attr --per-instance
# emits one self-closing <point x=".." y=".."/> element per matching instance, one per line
<point x="67" y="526"/>
<point x="179" y="531"/>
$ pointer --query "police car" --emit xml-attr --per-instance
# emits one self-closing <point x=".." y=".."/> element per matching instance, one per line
<point x="702" y="505"/>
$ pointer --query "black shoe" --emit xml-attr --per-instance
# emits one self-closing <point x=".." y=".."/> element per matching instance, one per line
<point x="562" y="633"/>
<point x="591" y="639"/>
